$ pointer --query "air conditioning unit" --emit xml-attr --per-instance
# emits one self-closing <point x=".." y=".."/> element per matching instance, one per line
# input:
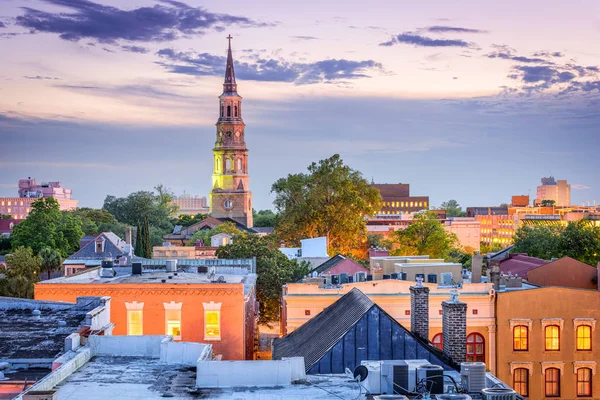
<point x="472" y="376"/>
<point x="433" y="378"/>
<point x="498" y="394"/>
<point x="373" y="382"/>
<point x="390" y="397"/>
<point x="453" y="396"/>
<point x="360" y="277"/>
<point x="400" y="377"/>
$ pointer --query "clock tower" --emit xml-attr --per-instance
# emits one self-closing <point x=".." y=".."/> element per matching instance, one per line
<point x="230" y="196"/>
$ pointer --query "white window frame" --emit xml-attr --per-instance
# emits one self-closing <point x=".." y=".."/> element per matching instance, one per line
<point x="135" y="307"/>
<point x="211" y="307"/>
<point x="172" y="306"/>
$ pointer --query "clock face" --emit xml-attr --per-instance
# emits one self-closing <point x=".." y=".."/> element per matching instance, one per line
<point x="228" y="204"/>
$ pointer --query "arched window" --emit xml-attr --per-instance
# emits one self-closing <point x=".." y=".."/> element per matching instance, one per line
<point x="235" y="111"/>
<point x="222" y="109"/>
<point x="475" y="348"/>
<point x="552" y="382"/>
<point x="227" y="164"/>
<point x="239" y="166"/>
<point x="229" y="111"/>
<point x="521" y="381"/>
<point x="520" y="338"/>
<point x="584" y="337"/>
<point x="552" y="338"/>
<point x="438" y="341"/>
<point x="584" y="382"/>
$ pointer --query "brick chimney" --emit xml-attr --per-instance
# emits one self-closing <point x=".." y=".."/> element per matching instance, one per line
<point x="419" y="309"/>
<point x="454" y="328"/>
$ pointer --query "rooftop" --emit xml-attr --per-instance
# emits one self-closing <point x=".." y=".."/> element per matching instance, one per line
<point x="144" y="378"/>
<point x="520" y="264"/>
<point x="24" y="335"/>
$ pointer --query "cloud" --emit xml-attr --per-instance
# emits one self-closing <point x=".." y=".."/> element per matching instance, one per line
<point x="304" y="37"/>
<point x="452" y="29"/>
<point x="548" y="54"/>
<point x="2" y="25"/>
<point x="506" y="53"/>
<point x="162" y="22"/>
<point x="579" y="186"/>
<point x="423" y="41"/>
<point x="39" y="77"/>
<point x="135" y="49"/>
<point x="259" y="68"/>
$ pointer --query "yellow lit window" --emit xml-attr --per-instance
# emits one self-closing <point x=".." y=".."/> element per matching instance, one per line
<point x="411" y="204"/>
<point x="9" y="208"/>
<point x="135" y="326"/>
<point x="425" y="204"/>
<point x="9" y="203"/>
<point x="174" y="323"/>
<point x="520" y="338"/>
<point x="212" y="324"/>
<point x="552" y="338"/>
<point x="584" y="337"/>
<point x="584" y="382"/>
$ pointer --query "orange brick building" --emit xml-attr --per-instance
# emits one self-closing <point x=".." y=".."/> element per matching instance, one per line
<point x="547" y="343"/>
<point x="191" y="306"/>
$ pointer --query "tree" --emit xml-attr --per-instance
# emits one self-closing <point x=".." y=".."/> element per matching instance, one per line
<point x="331" y="200"/>
<point x="187" y="220"/>
<point x="205" y="234"/>
<point x="548" y="203"/>
<point x="23" y="262"/>
<point x="264" y="218"/>
<point x="46" y="226"/>
<point x="424" y="236"/>
<point x="95" y="221"/>
<point x="485" y="248"/>
<point x="579" y="240"/>
<point x="51" y="260"/>
<point x="273" y="268"/>
<point x="158" y="209"/>
<point x="139" y="245"/>
<point x="453" y="209"/>
<point x="18" y="286"/>
<point x="147" y="249"/>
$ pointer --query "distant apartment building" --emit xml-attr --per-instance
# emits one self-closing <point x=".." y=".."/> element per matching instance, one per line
<point x="397" y="199"/>
<point x="29" y="191"/>
<point x="557" y="191"/>
<point x="467" y="230"/>
<point x="520" y="201"/>
<point x="191" y="204"/>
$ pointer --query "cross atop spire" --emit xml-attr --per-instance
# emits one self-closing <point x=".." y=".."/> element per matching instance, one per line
<point x="229" y="86"/>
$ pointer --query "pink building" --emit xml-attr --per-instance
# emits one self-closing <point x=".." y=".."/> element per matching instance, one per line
<point x="468" y="231"/>
<point x="29" y="191"/>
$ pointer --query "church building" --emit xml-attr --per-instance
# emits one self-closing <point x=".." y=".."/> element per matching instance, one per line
<point x="230" y="196"/>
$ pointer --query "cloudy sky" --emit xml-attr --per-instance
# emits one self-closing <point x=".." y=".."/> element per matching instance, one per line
<point x="469" y="100"/>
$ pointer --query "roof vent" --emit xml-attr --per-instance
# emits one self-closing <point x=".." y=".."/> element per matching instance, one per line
<point x="170" y="276"/>
<point x="171" y="265"/>
<point x="163" y="280"/>
<point x="2" y="377"/>
<point x="62" y="324"/>
<point x="36" y="313"/>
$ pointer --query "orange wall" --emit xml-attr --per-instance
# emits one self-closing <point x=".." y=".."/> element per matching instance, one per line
<point x="536" y="304"/>
<point x="233" y="314"/>
<point x="564" y="272"/>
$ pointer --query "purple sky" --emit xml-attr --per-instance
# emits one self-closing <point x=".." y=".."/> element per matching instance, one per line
<point x="473" y="100"/>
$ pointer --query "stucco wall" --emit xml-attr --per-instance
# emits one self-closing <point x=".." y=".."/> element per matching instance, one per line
<point x="536" y="305"/>
<point x="233" y="315"/>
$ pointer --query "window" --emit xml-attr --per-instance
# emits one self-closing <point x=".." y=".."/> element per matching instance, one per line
<point x="135" y="319"/>
<point x="520" y="338"/>
<point x="235" y="111"/>
<point x="174" y="323"/>
<point x="222" y="110"/>
<point x="552" y="380"/>
<point x="438" y="341"/>
<point x="229" y="111"/>
<point x="431" y="278"/>
<point x="552" y="338"/>
<point x="584" y="337"/>
<point x="521" y="381"/>
<point x="212" y="321"/>
<point x="475" y="348"/>
<point x="584" y="382"/>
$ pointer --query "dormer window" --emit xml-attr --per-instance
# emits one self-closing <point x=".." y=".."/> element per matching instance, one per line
<point x="100" y="245"/>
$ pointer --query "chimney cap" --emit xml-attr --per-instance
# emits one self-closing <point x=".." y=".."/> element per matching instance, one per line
<point x="454" y="296"/>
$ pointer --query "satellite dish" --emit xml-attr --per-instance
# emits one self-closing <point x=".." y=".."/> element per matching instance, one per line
<point x="360" y="373"/>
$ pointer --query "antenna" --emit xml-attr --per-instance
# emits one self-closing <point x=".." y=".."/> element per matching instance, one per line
<point x="360" y="373"/>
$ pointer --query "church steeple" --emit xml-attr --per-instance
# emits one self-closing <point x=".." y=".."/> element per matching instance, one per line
<point x="229" y="86"/>
<point x="230" y="196"/>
